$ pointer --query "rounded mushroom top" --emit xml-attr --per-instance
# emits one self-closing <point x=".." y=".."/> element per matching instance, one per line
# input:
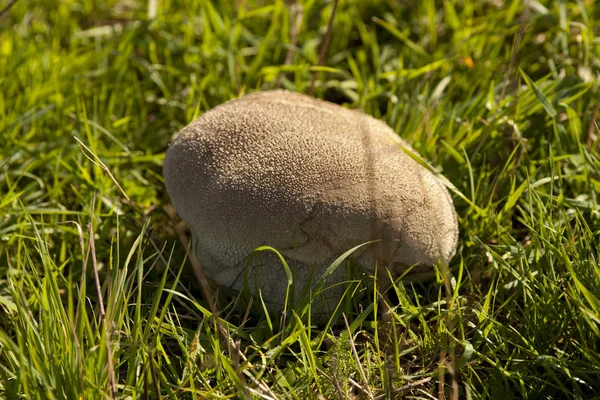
<point x="308" y="177"/>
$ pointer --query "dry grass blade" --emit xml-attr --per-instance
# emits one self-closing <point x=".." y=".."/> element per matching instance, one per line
<point x="405" y="388"/>
<point x="8" y="7"/>
<point x="92" y="245"/>
<point x="289" y="57"/>
<point x="591" y="136"/>
<point x="103" y="321"/>
<point x="441" y="392"/>
<point x="97" y="161"/>
<point x="513" y="58"/>
<point x="198" y="270"/>
<point x="363" y="376"/>
<point x="325" y="45"/>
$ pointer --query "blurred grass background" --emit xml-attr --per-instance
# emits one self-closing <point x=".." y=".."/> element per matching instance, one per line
<point x="501" y="96"/>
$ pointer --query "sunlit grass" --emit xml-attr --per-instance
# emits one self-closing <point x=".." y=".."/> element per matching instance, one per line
<point x="98" y="298"/>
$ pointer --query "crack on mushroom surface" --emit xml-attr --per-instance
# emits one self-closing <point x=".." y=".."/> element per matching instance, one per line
<point x="311" y="179"/>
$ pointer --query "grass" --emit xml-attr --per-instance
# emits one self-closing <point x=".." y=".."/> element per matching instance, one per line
<point x="97" y="299"/>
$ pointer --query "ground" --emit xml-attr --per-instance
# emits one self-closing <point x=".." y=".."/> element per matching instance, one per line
<point x="97" y="298"/>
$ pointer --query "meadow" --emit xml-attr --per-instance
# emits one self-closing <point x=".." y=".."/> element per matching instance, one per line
<point x="98" y="298"/>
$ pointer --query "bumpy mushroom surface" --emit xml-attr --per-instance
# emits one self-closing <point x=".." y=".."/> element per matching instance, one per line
<point x="311" y="179"/>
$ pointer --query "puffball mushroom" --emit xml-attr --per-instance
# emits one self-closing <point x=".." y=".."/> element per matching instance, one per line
<point x="311" y="179"/>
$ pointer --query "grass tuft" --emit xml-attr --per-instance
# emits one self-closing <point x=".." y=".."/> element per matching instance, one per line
<point x="97" y="297"/>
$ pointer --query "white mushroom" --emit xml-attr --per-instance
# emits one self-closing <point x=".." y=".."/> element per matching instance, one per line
<point x="311" y="179"/>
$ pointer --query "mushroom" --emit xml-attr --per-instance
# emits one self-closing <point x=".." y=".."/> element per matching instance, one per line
<point x="311" y="179"/>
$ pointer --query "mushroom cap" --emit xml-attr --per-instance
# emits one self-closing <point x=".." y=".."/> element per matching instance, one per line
<point x="309" y="178"/>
